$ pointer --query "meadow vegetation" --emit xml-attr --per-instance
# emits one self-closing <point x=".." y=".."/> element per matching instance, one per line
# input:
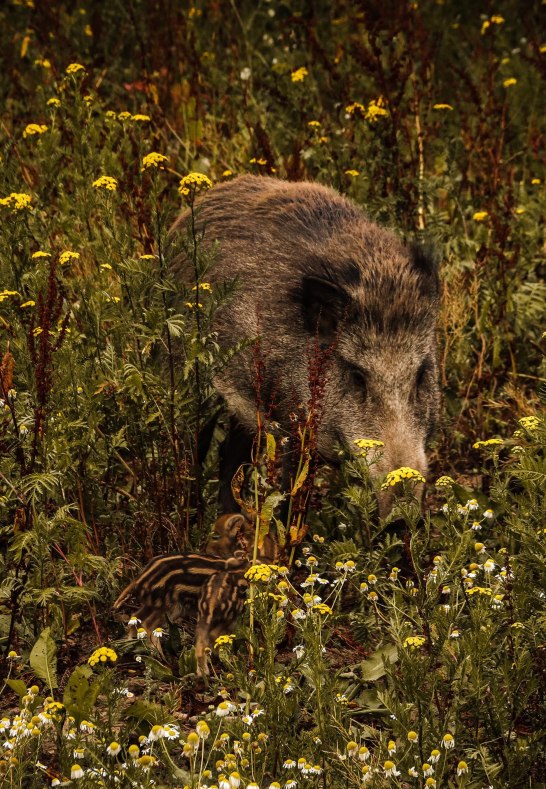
<point x="403" y="653"/>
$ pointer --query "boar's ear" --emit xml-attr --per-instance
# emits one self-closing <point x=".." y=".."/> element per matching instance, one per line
<point x="426" y="256"/>
<point x="324" y="306"/>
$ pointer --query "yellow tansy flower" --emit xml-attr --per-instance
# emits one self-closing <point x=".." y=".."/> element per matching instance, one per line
<point x="193" y="182"/>
<point x="67" y="256"/>
<point x="74" y="68"/>
<point x="34" y="128"/>
<point x="400" y="475"/>
<point x="414" y="642"/>
<point x="105" y="182"/>
<point x="490" y="442"/>
<point x="299" y="74"/>
<point x="153" y="160"/>
<point x="17" y="201"/>
<point x="102" y="655"/>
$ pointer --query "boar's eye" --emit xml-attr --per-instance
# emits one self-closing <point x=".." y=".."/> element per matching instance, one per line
<point x="360" y="379"/>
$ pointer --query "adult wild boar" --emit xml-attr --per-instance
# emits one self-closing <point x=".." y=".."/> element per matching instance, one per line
<point x="310" y="265"/>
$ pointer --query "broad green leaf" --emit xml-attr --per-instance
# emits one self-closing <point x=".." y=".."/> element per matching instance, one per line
<point x="43" y="659"/>
<point x="18" y="686"/>
<point x="373" y="668"/>
<point x="79" y="696"/>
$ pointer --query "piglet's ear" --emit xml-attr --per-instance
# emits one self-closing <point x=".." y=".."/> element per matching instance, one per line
<point x="324" y="306"/>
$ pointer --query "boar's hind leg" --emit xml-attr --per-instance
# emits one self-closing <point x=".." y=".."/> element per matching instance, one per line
<point x="236" y="450"/>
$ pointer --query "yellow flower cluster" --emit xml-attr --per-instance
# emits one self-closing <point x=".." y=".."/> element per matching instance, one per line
<point x="17" y="201"/>
<point x="368" y="443"/>
<point x="444" y="482"/>
<point x="352" y="108"/>
<point x="193" y="182"/>
<point x="53" y="708"/>
<point x="496" y="19"/>
<point x="34" y="128"/>
<point x="414" y="642"/>
<point x="529" y="422"/>
<point x="442" y="107"/>
<point x="481" y="590"/>
<point x="352" y="173"/>
<point x="67" y="256"/>
<point x="102" y="655"/>
<point x="299" y="74"/>
<point x="509" y="82"/>
<point x="40" y="254"/>
<point x="490" y="442"/>
<point x="376" y="109"/>
<point x="322" y="608"/>
<point x="126" y="116"/>
<point x="105" y="182"/>
<point x="224" y="641"/>
<point x="401" y="474"/>
<point x="73" y="68"/>
<point x="261" y="572"/>
<point x="153" y="160"/>
<point x="5" y="294"/>
<point x="480" y="216"/>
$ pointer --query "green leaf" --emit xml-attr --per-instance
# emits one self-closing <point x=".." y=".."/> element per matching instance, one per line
<point x="79" y="696"/>
<point x="158" y="670"/>
<point x="373" y="668"/>
<point x="271" y="446"/>
<point x="266" y="514"/>
<point x="18" y="686"/>
<point x="187" y="663"/>
<point x="369" y="701"/>
<point x="302" y="476"/>
<point x="146" y="711"/>
<point x="43" y="659"/>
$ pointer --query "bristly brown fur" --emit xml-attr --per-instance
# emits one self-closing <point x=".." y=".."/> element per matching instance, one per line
<point x="308" y="261"/>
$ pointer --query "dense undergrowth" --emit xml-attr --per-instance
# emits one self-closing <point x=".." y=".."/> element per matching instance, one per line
<point x="349" y="671"/>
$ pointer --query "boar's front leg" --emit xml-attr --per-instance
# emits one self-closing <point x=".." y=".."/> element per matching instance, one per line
<point x="236" y="450"/>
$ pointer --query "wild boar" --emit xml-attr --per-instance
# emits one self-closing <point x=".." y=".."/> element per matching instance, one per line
<point x="311" y="268"/>
<point x="235" y="532"/>
<point x="169" y="584"/>
<point x="174" y="586"/>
